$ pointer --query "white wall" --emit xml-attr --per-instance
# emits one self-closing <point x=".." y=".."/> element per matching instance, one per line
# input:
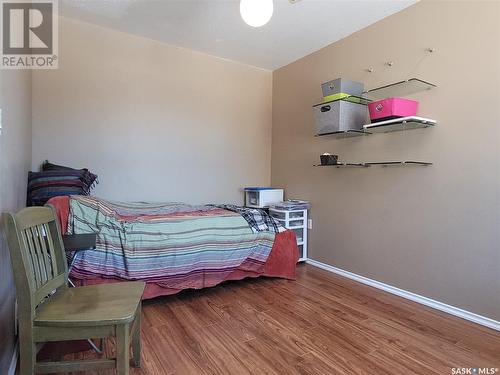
<point x="15" y="160"/>
<point x="155" y="122"/>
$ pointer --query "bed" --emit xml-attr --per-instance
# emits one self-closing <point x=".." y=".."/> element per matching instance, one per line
<point x="172" y="246"/>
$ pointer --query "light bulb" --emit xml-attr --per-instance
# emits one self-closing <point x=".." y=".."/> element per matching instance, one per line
<point x="256" y="13"/>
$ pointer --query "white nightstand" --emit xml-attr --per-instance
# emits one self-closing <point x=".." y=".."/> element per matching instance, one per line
<point x="295" y="220"/>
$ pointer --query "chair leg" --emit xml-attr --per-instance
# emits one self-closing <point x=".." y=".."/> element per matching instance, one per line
<point x="27" y="358"/>
<point x="136" y="341"/>
<point x="122" y="349"/>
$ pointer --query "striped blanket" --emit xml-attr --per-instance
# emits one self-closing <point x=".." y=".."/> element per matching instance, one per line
<point x="173" y="245"/>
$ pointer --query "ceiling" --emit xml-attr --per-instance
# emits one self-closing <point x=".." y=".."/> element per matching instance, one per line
<point x="215" y="26"/>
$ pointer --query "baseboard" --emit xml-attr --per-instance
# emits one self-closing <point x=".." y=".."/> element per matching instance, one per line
<point x="13" y="361"/>
<point x="482" y="320"/>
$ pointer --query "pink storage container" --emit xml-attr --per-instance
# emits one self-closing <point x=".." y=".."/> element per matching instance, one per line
<point x="391" y="108"/>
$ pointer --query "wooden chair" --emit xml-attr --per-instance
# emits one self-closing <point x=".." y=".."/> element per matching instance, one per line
<point x="48" y="310"/>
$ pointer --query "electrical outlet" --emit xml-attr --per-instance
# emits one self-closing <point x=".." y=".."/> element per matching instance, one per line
<point x="309" y="223"/>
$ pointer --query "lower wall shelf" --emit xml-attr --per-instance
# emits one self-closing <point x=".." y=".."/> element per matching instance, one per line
<point x="405" y="163"/>
<point x="345" y="134"/>
<point x="343" y="165"/>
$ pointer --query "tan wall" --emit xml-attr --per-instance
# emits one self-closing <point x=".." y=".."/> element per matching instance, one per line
<point x="435" y="230"/>
<point x="155" y="122"/>
<point x="15" y="160"/>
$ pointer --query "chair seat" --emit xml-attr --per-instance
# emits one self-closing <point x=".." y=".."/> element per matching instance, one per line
<point x="94" y="305"/>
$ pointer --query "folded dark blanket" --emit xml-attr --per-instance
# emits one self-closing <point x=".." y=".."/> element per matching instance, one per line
<point x="90" y="179"/>
<point x="258" y="220"/>
<point x="56" y="180"/>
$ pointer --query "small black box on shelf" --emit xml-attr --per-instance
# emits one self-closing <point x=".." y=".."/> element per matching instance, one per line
<point x="328" y="159"/>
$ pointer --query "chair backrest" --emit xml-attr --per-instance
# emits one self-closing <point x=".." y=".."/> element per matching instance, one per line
<point x="37" y="255"/>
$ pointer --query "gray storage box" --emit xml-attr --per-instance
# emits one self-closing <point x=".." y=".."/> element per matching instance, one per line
<point x="341" y="85"/>
<point x="339" y="115"/>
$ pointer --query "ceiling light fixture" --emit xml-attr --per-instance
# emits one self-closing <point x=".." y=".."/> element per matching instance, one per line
<point x="256" y="13"/>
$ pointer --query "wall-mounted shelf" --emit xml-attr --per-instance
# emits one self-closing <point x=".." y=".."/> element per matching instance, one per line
<point x="350" y="99"/>
<point x="398" y="89"/>
<point x="402" y="88"/>
<point x="343" y="165"/>
<point x="399" y="124"/>
<point x="345" y="134"/>
<point x="406" y="163"/>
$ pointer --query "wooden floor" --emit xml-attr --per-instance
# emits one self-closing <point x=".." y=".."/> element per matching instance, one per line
<point x="319" y="324"/>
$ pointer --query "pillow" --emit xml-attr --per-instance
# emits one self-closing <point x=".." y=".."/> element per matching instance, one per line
<point x="55" y="180"/>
